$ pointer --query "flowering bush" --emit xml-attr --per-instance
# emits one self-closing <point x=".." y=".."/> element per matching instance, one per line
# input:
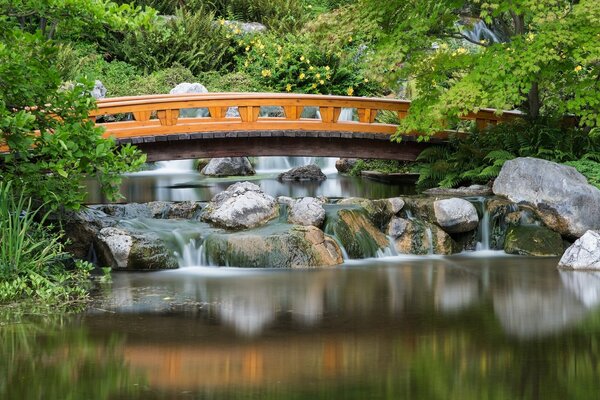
<point x="294" y="64"/>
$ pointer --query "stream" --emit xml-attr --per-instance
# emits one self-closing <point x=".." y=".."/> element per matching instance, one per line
<point x="476" y="325"/>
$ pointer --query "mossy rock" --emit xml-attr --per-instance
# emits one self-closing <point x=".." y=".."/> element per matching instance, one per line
<point x="356" y="233"/>
<point x="286" y="246"/>
<point x="379" y="211"/>
<point x="533" y="240"/>
<point x="421" y="237"/>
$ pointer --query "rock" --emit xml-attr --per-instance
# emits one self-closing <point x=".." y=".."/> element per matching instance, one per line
<point x="232" y="112"/>
<point x="309" y="172"/>
<point x="378" y="211"/>
<point x="533" y="240"/>
<point x="241" y="206"/>
<point x="200" y="163"/>
<point x="286" y="247"/>
<point x="228" y="166"/>
<point x="356" y="233"/>
<point x="153" y="209"/>
<point x="345" y="165"/>
<point x="473" y="190"/>
<point x="561" y="196"/>
<point x="419" y="237"/>
<point x="455" y="215"/>
<point x="307" y="211"/>
<point x="122" y="249"/>
<point x="81" y="228"/>
<point x="99" y="90"/>
<point x="247" y="27"/>
<point x="584" y="253"/>
<point x="184" y="88"/>
<point x="288" y="201"/>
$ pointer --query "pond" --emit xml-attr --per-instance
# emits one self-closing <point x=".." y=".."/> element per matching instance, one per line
<point x="459" y="327"/>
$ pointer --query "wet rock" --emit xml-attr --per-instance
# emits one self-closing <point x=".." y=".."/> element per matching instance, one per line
<point x="533" y="240"/>
<point x="241" y="206"/>
<point x="561" y="195"/>
<point x="287" y="247"/>
<point x="455" y="215"/>
<point x="356" y="233"/>
<point x="419" y="208"/>
<point x="584" y="253"/>
<point x="378" y="211"/>
<point x="306" y="211"/>
<point x="228" y="166"/>
<point x="420" y="237"/>
<point x="122" y="249"/>
<point x="309" y="172"/>
<point x="345" y="165"/>
<point x="473" y="190"/>
<point x="185" y="88"/>
<point x="81" y="228"/>
<point x="153" y="209"/>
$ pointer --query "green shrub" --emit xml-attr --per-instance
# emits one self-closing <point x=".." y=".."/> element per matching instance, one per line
<point x="384" y="166"/>
<point x="32" y="260"/>
<point x="292" y="63"/>
<point x="479" y="156"/>
<point x="589" y="168"/>
<point x="231" y="82"/>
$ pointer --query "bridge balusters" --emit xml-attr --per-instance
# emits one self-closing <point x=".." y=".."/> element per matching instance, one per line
<point x="367" y="115"/>
<point x="249" y="113"/>
<point x="217" y="112"/>
<point x="330" y="114"/>
<point x="168" y="117"/>
<point x="142" y="115"/>
<point x="293" y="112"/>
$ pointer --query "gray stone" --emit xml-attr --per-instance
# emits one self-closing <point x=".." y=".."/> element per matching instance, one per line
<point x="533" y="240"/>
<point x="99" y="90"/>
<point x="420" y="237"/>
<point x="228" y="166"/>
<point x="473" y="190"/>
<point x="344" y="165"/>
<point x="309" y="172"/>
<point x="359" y="237"/>
<point x="583" y="254"/>
<point x="246" y="27"/>
<point x="241" y="206"/>
<point x="307" y="211"/>
<point x="379" y="211"/>
<point x="455" y="215"/>
<point x="124" y="249"/>
<point x="285" y="247"/>
<point x="561" y="196"/>
<point x="184" y="88"/>
<point x="397" y="227"/>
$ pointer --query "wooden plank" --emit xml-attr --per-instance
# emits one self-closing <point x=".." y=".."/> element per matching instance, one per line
<point x="217" y="112"/>
<point x="293" y="112"/>
<point x="168" y="117"/>
<point x="142" y="115"/>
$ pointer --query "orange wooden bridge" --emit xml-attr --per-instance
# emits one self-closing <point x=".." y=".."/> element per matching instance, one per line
<point x="158" y="127"/>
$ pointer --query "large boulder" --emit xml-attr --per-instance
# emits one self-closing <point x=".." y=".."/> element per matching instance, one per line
<point x="378" y="211"/>
<point x="419" y="237"/>
<point x="584" y="253"/>
<point x="185" y="88"/>
<point x="533" y="240"/>
<point x="359" y="237"/>
<point x="309" y="172"/>
<point x="455" y="215"/>
<point x="306" y="211"/>
<point x="241" y="206"/>
<point x="561" y="196"/>
<point x="345" y="165"/>
<point x="228" y="166"/>
<point x="122" y="249"/>
<point x="281" y="247"/>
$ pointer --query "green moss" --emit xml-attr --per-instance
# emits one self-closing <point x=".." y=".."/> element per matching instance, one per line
<point x="533" y="240"/>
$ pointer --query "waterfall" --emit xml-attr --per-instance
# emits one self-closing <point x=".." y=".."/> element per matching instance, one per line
<point x="429" y="235"/>
<point x="480" y="31"/>
<point x="175" y="166"/>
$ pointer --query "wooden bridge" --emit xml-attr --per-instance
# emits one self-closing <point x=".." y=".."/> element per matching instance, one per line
<point x="158" y="127"/>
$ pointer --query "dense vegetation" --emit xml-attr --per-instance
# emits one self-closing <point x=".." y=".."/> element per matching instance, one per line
<point x="451" y="57"/>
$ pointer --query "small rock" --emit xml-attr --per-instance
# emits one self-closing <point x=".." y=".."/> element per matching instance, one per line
<point x="455" y="215"/>
<point x="309" y="172"/>
<point x="99" y="90"/>
<point x="345" y="165"/>
<point x="228" y="166"/>
<point x="584" y="253"/>
<point x="307" y="211"/>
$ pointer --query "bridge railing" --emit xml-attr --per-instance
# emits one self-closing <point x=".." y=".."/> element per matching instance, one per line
<point x="162" y="114"/>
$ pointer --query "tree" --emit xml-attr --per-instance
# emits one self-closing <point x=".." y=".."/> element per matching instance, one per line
<point x="52" y="144"/>
<point x="540" y="56"/>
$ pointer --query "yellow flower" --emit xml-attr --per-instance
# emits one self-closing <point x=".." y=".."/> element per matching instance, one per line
<point x="247" y="48"/>
<point x="530" y="36"/>
<point x="266" y="72"/>
<point x="311" y="68"/>
<point x="314" y="85"/>
<point x="221" y="21"/>
<point x="461" y="50"/>
<point x="578" y="68"/>
<point x="366" y="80"/>
<point x="350" y="39"/>
<point x="328" y="77"/>
<point x="261" y="46"/>
<point x="350" y="91"/>
<point x="288" y="87"/>
<point x="302" y="76"/>
<point x="237" y="31"/>
<point x="317" y="76"/>
<point x="307" y="61"/>
<point x="327" y="68"/>
<point x="246" y="63"/>
<point x="301" y="58"/>
<point x="321" y="81"/>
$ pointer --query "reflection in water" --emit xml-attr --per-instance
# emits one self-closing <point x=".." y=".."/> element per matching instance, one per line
<point x="421" y="328"/>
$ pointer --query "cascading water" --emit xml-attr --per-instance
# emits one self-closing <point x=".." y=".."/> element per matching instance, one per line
<point x="483" y="230"/>
<point x="480" y="31"/>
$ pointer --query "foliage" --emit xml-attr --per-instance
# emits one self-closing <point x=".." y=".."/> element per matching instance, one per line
<point x="384" y="166"/>
<point x="52" y="145"/>
<point x="293" y="64"/>
<point x="191" y="39"/>
<point x="477" y="157"/>
<point x="232" y="82"/>
<point x="74" y="18"/>
<point x="545" y="60"/>
<point x="32" y="260"/>
<point x="589" y="168"/>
